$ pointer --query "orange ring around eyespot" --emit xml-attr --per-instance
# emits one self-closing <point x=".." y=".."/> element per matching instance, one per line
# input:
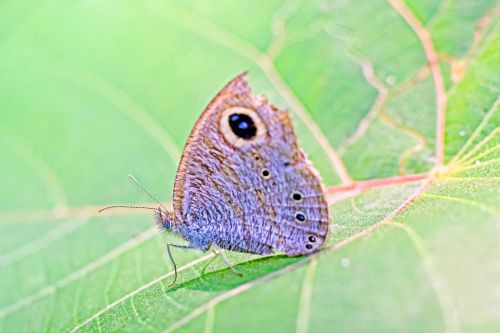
<point x="228" y="133"/>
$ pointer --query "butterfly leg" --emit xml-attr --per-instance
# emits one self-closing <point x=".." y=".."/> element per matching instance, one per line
<point x="226" y="260"/>
<point x="172" y="259"/>
<point x="209" y="263"/>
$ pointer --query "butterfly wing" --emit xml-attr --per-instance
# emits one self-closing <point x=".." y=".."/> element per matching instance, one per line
<point x="244" y="184"/>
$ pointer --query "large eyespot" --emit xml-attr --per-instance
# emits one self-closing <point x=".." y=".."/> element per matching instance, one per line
<point x="241" y="126"/>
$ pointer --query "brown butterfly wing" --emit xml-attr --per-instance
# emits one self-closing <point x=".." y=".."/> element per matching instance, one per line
<point x="244" y="184"/>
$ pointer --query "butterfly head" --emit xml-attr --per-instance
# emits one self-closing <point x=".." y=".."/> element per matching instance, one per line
<point x="163" y="219"/>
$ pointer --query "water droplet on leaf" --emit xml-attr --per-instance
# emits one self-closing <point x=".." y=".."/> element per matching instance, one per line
<point x="345" y="262"/>
<point x="390" y="80"/>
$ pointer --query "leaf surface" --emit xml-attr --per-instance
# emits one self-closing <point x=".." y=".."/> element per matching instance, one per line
<point x="93" y="91"/>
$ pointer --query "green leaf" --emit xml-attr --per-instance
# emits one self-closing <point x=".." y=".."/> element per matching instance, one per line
<point x="93" y="91"/>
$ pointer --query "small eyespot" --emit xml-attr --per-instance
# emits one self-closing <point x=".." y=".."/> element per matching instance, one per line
<point x="256" y="157"/>
<point x="312" y="239"/>
<point x="309" y="246"/>
<point x="297" y="196"/>
<point x="300" y="217"/>
<point x="286" y="164"/>
<point x="266" y="174"/>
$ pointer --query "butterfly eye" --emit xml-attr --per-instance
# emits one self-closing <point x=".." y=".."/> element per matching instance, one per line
<point x="163" y="219"/>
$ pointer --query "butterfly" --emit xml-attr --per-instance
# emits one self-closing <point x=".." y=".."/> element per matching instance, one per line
<point x="243" y="183"/>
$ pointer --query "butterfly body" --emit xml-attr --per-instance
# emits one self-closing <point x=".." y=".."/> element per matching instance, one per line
<point x="243" y="183"/>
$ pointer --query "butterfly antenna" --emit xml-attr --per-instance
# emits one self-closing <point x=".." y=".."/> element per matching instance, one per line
<point x="147" y="192"/>
<point x="125" y="206"/>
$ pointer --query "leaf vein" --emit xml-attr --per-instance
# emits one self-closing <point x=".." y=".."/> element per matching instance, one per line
<point x="246" y="286"/>
<point x="446" y="302"/>
<point x="469" y="202"/>
<point x="48" y="290"/>
<point x="42" y="242"/>
<point x="432" y="58"/>
<point x="210" y="320"/>
<point x="39" y="166"/>
<point x="220" y="36"/>
<point x="458" y="157"/>
<point x="138" y="290"/>
<point x="305" y="298"/>
<point x="478" y="157"/>
<point x="130" y="108"/>
<point x="139" y="318"/>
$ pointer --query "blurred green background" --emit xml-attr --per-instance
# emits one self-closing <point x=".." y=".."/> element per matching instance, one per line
<point x="91" y="91"/>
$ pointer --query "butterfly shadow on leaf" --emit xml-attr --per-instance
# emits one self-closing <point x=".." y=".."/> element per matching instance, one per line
<point x="224" y="279"/>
